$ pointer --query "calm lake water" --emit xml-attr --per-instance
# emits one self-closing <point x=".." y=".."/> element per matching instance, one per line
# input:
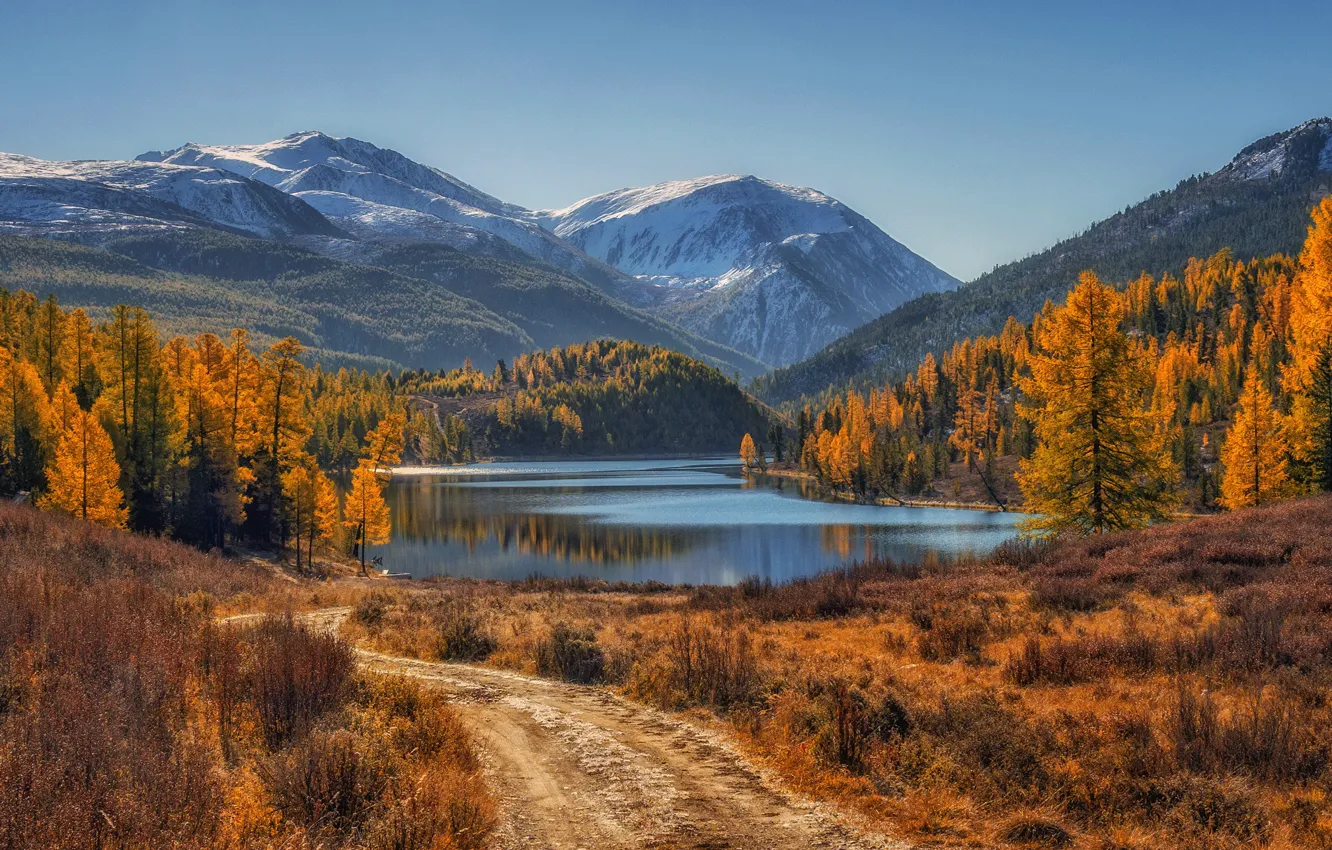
<point x="675" y="521"/>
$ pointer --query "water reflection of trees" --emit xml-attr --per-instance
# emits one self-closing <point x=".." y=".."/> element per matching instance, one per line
<point x="430" y="513"/>
<point x="441" y="520"/>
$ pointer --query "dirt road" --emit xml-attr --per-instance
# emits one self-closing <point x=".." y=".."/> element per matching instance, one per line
<point x="578" y="767"/>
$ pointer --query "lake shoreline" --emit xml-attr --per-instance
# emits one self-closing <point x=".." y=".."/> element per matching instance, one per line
<point x="887" y="501"/>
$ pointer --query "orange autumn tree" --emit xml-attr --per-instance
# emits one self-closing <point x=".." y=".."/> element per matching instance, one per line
<point x="1255" y="450"/>
<point x="366" y="513"/>
<point x="1308" y="375"/>
<point x="1102" y="464"/>
<point x="748" y="451"/>
<point x="83" y="477"/>
<point x="311" y="508"/>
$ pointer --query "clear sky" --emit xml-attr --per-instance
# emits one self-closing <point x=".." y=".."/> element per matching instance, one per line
<point x="975" y="133"/>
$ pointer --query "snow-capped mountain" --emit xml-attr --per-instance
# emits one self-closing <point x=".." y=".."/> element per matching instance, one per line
<point x="374" y="193"/>
<point x="772" y="270"/>
<point x="85" y="198"/>
<point x="1271" y="156"/>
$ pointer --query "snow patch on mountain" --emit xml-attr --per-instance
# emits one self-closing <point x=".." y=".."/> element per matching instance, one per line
<point x="811" y="268"/>
<point x="379" y="193"/>
<point x="692" y="229"/>
<point x="1271" y="156"/>
<point x="153" y="194"/>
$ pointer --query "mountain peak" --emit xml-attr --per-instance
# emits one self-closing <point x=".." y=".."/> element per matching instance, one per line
<point x="773" y="270"/>
<point x="1307" y="146"/>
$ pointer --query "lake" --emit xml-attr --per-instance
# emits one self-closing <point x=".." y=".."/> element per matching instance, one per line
<point x="674" y="521"/>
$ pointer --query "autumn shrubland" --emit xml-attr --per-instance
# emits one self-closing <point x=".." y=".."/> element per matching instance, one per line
<point x="1126" y="690"/>
<point x="132" y="716"/>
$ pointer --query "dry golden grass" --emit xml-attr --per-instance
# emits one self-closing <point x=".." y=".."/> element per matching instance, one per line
<point x="1164" y="688"/>
<point x="129" y="717"/>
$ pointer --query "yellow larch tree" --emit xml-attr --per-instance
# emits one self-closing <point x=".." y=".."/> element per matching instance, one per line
<point x="1101" y="464"/>
<point x="748" y="451"/>
<point x="312" y="508"/>
<point x="25" y="421"/>
<point x="298" y="488"/>
<point x="366" y="514"/>
<point x="383" y="445"/>
<point x="967" y="424"/>
<point x="324" y="519"/>
<point x="1311" y="340"/>
<point x="83" y="478"/>
<point x="79" y="366"/>
<point x="50" y="328"/>
<point x="283" y="430"/>
<point x="1255" y="451"/>
<point x="61" y="410"/>
<point x="242" y="375"/>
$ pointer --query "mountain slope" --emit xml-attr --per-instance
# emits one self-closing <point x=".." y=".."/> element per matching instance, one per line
<point x="44" y="198"/>
<point x="421" y="306"/>
<point x="776" y="271"/>
<point x="375" y="193"/>
<point x="358" y="314"/>
<point x="1257" y="204"/>
<point x="553" y="307"/>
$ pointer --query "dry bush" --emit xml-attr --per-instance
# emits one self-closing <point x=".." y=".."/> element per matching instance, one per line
<point x="419" y="721"/>
<point x="129" y="719"/>
<point x="704" y="665"/>
<point x="100" y="674"/>
<point x="448" y="811"/>
<point x="1067" y="661"/>
<point x="958" y="629"/>
<point x="853" y="720"/>
<point x="447" y="803"/>
<point x="326" y="783"/>
<point x="462" y="635"/>
<point x="834" y="593"/>
<point x="295" y="675"/>
<point x="1270" y="738"/>
<point x="571" y="654"/>
<point x="370" y="609"/>
<point x="1035" y="830"/>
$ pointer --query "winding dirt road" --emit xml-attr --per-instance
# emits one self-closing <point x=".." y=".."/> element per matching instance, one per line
<point x="578" y="767"/>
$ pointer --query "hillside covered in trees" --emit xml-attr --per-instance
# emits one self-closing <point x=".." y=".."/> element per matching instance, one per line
<point x="1254" y="207"/>
<point x="602" y="397"/>
<point x="1213" y="389"/>
<point x="379" y="306"/>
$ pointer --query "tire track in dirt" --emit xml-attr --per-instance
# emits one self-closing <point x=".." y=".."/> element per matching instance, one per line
<point x="580" y="768"/>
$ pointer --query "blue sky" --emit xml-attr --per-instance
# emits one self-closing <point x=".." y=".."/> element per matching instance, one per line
<point x="975" y="133"/>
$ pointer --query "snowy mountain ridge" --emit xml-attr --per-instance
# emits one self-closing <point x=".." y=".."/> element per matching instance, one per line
<point x="772" y="270"/>
<point x="375" y="193"/>
<point x="42" y="196"/>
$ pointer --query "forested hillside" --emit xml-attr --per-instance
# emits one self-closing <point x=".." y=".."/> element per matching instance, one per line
<point x="604" y="397"/>
<point x="1256" y="206"/>
<point x="1213" y="389"/>
<point x="351" y="313"/>
<point x="386" y="305"/>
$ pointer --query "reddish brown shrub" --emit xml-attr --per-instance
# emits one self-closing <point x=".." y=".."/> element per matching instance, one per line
<point x="295" y="675"/>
